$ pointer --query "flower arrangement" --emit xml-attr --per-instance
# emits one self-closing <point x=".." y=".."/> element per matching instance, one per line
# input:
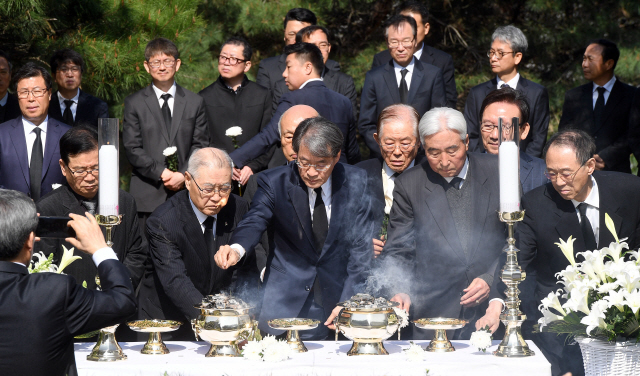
<point x="269" y="349"/>
<point x="40" y="264"/>
<point x="414" y="353"/>
<point x="481" y="338"/>
<point x="601" y="294"/>
<point x="171" y="158"/>
<point x="234" y="132"/>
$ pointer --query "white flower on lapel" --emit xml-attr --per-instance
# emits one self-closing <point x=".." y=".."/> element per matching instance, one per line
<point x="56" y="186"/>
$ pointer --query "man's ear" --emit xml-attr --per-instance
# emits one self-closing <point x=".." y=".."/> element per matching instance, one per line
<point x="524" y="131"/>
<point x="247" y="66"/>
<point x="518" y="57"/>
<point x="64" y="171"/>
<point x="375" y="137"/>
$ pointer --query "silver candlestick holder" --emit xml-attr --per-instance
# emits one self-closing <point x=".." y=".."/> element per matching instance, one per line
<point x="512" y="345"/>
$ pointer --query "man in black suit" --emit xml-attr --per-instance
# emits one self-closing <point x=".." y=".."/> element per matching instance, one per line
<point x="322" y="226"/>
<point x="574" y="204"/>
<point x="403" y="80"/>
<point x="69" y="104"/>
<point x="79" y="165"/>
<point x="184" y="234"/>
<point x="29" y="151"/>
<point x="507" y="48"/>
<point x="426" y="54"/>
<point x="234" y="101"/>
<point x="444" y="236"/>
<point x="159" y="116"/>
<point x="9" y="107"/>
<point x="634" y="126"/>
<point x="602" y="107"/>
<point x="302" y="76"/>
<point x="41" y="313"/>
<point x="399" y="144"/>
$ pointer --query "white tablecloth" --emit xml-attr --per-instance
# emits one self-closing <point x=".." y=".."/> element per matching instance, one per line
<point x="323" y="358"/>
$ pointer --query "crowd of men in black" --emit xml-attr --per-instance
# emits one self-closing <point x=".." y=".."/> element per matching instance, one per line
<point x="313" y="221"/>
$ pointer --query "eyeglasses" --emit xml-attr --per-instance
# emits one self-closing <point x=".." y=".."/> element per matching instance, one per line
<point x="73" y="69"/>
<point x="232" y="60"/>
<point x="37" y="93"/>
<point x="323" y="45"/>
<point x="83" y="173"/>
<point x="567" y="177"/>
<point x="223" y="190"/>
<point x="168" y="63"/>
<point x="405" y="43"/>
<point x="499" y="54"/>
<point x="489" y="127"/>
<point x="320" y="167"/>
<point x="392" y="147"/>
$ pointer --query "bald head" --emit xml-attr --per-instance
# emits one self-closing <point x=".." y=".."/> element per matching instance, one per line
<point x="209" y="158"/>
<point x="287" y="126"/>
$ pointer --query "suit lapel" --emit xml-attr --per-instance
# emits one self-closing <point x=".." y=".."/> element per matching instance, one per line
<point x="300" y="201"/>
<point x="615" y="97"/>
<point x="54" y="107"/>
<point x="481" y="199"/>
<point x="224" y="229"/>
<point x="392" y="82"/>
<point x="416" y="80"/>
<point x="587" y="105"/>
<point x="566" y="221"/>
<point x="179" y="104"/>
<point x="192" y="229"/>
<point x="154" y="107"/>
<point x="82" y="108"/>
<point x="525" y="168"/>
<point x="20" y="145"/>
<point x="608" y="205"/>
<point x="339" y="199"/>
<point x="53" y="138"/>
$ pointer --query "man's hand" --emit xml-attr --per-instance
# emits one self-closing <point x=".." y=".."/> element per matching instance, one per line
<point x="175" y="182"/>
<point x="491" y="317"/>
<point x="89" y="237"/>
<point x="403" y="299"/>
<point x="166" y="175"/>
<point x="334" y="314"/>
<point x="245" y="174"/>
<point x="476" y="293"/>
<point x="599" y="162"/>
<point x="236" y="174"/>
<point x="377" y="247"/>
<point x="226" y="257"/>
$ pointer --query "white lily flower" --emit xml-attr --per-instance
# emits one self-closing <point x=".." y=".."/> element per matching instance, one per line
<point x="612" y="228"/>
<point x="67" y="258"/>
<point x="171" y="150"/>
<point x="569" y="274"/>
<point x="578" y="299"/>
<point x="593" y="265"/>
<point x="615" y="299"/>
<point x="547" y="317"/>
<point x="551" y="301"/>
<point x="233" y="132"/>
<point x="567" y="249"/>
<point x="595" y="318"/>
<point x="629" y="281"/>
<point x="632" y="299"/>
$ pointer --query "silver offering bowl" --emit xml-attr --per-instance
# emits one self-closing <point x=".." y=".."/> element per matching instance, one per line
<point x="107" y="348"/>
<point x="440" y="342"/>
<point x="367" y="322"/>
<point x="292" y="328"/>
<point x="154" y="345"/>
<point x="221" y="321"/>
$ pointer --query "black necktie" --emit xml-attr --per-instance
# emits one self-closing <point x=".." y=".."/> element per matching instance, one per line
<point x="166" y="112"/>
<point x="89" y="205"/>
<point x="2" y="113"/>
<point x="209" y="238"/>
<point x="320" y="222"/>
<point x="67" y="116"/>
<point x="585" y="226"/>
<point x="35" y="166"/>
<point x="504" y="84"/>
<point x="455" y="182"/>
<point x="404" y="89"/>
<point x="396" y="174"/>
<point x="598" y="110"/>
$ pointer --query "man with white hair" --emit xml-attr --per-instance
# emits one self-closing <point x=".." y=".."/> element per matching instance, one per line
<point x="444" y="236"/>
<point x="507" y="48"/>
<point x="184" y="233"/>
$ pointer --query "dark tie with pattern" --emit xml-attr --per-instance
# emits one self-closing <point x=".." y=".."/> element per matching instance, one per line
<point x="209" y="237"/>
<point x="404" y="89"/>
<point x="504" y="84"/>
<point x="166" y="112"/>
<point x="598" y="110"/>
<point x="455" y="182"/>
<point x="585" y="226"/>
<point x="67" y="116"/>
<point x="35" y="166"/>
<point x="89" y="205"/>
<point x="320" y="230"/>
<point x="396" y="174"/>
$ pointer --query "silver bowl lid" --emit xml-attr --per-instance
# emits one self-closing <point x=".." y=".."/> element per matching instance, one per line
<point x="366" y="302"/>
<point x="222" y="302"/>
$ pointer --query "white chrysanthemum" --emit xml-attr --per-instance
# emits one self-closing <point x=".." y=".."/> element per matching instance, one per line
<point x="276" y="352"/>
<point x="252" y="350"/>
<point x="171" y="150"/>
<point x="481" y="339"/>
<point x="56" y="186"/>
<point x="414" y="353"/>
<point x="233" y="132"/>
<point x="268" y="341"/>
<point x="403" y="316"/>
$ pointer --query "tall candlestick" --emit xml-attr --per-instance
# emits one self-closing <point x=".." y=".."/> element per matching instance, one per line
<point x="509" y="177"/>
<point x="109" y="179"/>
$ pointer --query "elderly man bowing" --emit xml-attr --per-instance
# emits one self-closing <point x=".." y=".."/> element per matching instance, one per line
<point x="444" y="234"/>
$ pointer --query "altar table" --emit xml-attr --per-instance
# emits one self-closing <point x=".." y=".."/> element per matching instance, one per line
<point x="324" y="358"/>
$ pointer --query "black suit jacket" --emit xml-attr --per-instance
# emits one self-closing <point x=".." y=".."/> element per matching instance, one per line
<point x="41" y="313"/>
<point x="249" y="108"/>
<point x="538" y="100"/>
<point x="634" y="126"/>
<point x="145" y="136"/>
<point x="11" y="109"/>
<point x="181" y="270"/>
<point x="329" y="104"/>
<point x="423" y="252"/>
<point x="381" y="90"/>
<point x="89" y="110"/>
<point x="432" y="56"/>
<point x="14" y="160"/>
<point x="611" y="138"/>
<point x="128" y="242"/>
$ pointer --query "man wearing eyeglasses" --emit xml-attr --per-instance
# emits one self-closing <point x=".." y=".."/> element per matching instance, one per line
<point x="573" y="204"/>
<point x="161" y="115"/>
<point x="69" y="104"/>
<point x="184" y="234"/>
<point x="507" y="48"/>
<point x="233" y="100"/>
<point x="29" y="151"/>
<point x="404" y="79"/>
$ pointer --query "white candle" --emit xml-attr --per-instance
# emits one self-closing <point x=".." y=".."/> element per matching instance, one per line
<point x="509" y="177"/>
<point x="109" y="180"/>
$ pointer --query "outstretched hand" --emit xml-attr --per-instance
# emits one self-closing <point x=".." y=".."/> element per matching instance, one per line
<point x="226" y="257"/>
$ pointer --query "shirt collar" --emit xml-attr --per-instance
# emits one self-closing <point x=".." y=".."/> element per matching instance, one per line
<point x="4" y="99"/>
<point x="29" y="126"/>
<point x="399" y="67"/>
<point x="310" y="80"/>
<point x="61" y="99"/>
<point x="418" y="54"/>
<point x="200" y="215"/>
<point x="326" y="187"/>
<point x="462" y="174"/>
<point x="594" y="197"/>
<point x="172" y="90"/>
<point x="513" y="83"/>
<point x="390" y="172"/>
<point x="608" y="86"/>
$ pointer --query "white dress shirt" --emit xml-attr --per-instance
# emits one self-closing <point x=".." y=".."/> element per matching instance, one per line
<point x="74" y="105"/>
<point x="4" y="99"/>
<point x="203" y="217"/>
<point x="326" y="198"/>
<point x="388" y="184"/>
<point x="398" y="68"/>
<point x="172" y="91"/>
<point x="593" y="210"/>
<point x="30" y="135"/>
<point x="418" y="54"/>
<point x="513" y="83"/>
<point x="309" y="80"/>
<point x="462" y="174"/>
<point x="607" y="90"/>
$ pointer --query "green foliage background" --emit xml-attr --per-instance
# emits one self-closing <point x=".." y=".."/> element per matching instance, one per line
<point x="112" y="34"/>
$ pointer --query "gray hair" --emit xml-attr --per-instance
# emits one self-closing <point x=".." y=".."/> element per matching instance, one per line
<point x="18" y="219"/>
<point x="280" y="124"/>
<point x="442" y="119"/>
<point x="211" y="158"/>
<point x="512" y="35"/>
<point x="398" y="112"/>
<point x="323" y="138"/>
